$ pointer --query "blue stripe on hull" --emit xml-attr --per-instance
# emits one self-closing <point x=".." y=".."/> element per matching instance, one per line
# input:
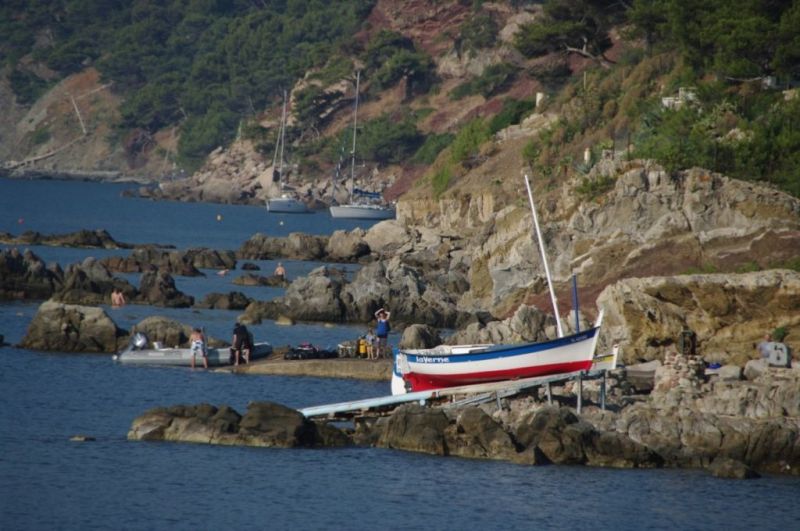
<point x="504" y="351"/>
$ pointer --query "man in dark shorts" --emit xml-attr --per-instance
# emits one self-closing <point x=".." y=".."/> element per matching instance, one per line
<point x="241" y="345"/>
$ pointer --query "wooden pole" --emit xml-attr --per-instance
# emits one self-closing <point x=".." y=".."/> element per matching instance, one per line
<point x="78" y="112"/>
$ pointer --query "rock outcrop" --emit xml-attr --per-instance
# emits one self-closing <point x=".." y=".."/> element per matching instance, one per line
<point x="234" y="300"/>
<point x="183" y="263"/>
<point x="158" y="289"/>
<point x="71" y="328"/>
<point x="296" y="246"/>
<point x="265" y="424"/>
<point x="25" y="276"/>
<point x="91" y="283"/>
<point x="727" y="313"/>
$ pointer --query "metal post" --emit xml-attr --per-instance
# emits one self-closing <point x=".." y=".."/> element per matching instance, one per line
<point x="580" y="392"/>
<point x="575" y="302"/>
<point x="549" y="396"/>
<point x="603" y="392"/>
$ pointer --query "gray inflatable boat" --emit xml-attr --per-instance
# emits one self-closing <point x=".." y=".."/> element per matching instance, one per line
<point x="143" y="352"/>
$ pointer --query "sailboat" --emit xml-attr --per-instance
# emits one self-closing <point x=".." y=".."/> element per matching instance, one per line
<point x="361" y="204"/>
<point x="286" y="203"/>
<point x="457" y="365"/>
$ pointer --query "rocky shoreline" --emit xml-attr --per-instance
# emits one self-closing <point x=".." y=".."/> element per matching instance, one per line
<point x="733" y="428"/>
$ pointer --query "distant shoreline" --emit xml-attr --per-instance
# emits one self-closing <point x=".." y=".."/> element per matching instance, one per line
<point x="75" y="175"/>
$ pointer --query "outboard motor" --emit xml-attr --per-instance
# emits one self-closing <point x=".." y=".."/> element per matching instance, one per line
<point x="139" y="340"/>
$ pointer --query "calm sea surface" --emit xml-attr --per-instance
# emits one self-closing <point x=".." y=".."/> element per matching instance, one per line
<point x="48" y="482"/>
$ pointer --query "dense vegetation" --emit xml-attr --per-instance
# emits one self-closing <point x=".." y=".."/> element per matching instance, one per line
<point x="209" y="64"/>
<point x="202" y="63"/>
<point x="733" y="56"/>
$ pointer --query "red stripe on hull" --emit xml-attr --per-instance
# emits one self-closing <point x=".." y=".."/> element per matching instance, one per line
<point x="424" y="382"/>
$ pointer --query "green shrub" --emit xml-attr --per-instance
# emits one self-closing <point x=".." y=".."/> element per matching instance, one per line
<point x="468" y="140"/>
<point x="592" y="188"/>
<point x="40" y="136"/>
<point x="388" y="140"/>
<point x="493" y="80"/>
<point x="440" y="180"/>
<point x="431" y="148"/>
<point x="512" y="113"/>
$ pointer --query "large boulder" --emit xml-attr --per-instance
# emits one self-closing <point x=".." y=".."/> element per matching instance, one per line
<point x="91" y="283"/>
<point x="344" y="246"/>
<point x="420" y="336"/>
<point x="728" y="313"/>
<point x="170" y="261"/>
<point x="265" y="424"/>
<point x="71" y="328"/>
<point x="527" y="324"/>
<point x="25" y="276"/>
<point x="316" y="296"/>
<point x="476" y="435"/>
<point x="234" y="300"/>
<point x="297" y="246"/>
<point x="169" y="332"/>
<point x="415" y="428"/>
<point x="158" y="289"/>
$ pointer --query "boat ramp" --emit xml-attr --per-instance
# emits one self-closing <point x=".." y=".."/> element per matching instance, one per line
<point x="461" y="395"/>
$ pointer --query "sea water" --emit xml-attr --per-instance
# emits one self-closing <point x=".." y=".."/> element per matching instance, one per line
<point x="49" y="482"/>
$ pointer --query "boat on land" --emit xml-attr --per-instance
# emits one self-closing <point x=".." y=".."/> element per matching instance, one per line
<point x="361" y="204"/>
<point x="142" y="352"/>
<point x="457" y="365"/>
<point x="287" y="203"/>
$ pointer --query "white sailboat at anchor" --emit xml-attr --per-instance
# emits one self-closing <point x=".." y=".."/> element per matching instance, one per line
<point x="287" y="203"/>
<point x="361" y="204"/>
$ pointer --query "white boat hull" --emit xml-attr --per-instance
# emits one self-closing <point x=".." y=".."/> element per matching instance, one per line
<point x="182" y="357"/>
<point x="449" y="366"/>
<point x="362" y="212"/>
<point x="286" y="205"/>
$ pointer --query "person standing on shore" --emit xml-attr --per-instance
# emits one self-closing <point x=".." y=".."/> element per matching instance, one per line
<point x="198" y="343"/>
<point x="241" y="344"/>
<point x="382" y="331"/>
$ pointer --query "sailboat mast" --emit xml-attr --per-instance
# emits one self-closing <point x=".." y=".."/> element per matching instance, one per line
<point x="283" y="136"/>
<point x="544" y="258"/>
<point x="353" y="153"/>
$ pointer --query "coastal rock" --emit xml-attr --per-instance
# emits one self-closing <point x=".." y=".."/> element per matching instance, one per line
<point x="169" y="332"/>
<point x="528" y="324"/>
<point x="71" y="328"/>
<point x="25" y="276"/>
<point x="265" y="424"/>
<point x="344" y="246"/>
<point x="173" y="262"/>
<point x="728" y="313"/>
<point x="420" y="336"/>
<point x="202" y="258"/>
<point x="387" y="237"/>
<point x="158" y="289"/>
<point x="731" y="469"/>
<point x="316" y="296"/>
<point x="249" y="279"/>
<point x="234" y="300"/>
<point x="91" y="283"/>
<point x="100" y="239"/>
<point x="476" y="435"/>
<point x="296" y="246"/>
<point x="415" y="428"/>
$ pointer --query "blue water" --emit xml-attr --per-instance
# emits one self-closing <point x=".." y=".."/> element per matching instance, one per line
<point x="48" y="482"/>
